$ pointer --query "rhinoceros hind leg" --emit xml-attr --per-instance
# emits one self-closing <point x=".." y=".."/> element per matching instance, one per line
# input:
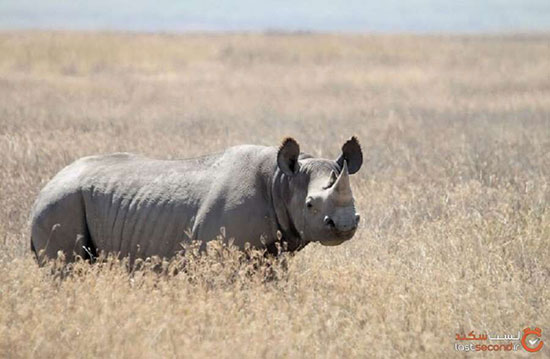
<point x="61" y="227"/>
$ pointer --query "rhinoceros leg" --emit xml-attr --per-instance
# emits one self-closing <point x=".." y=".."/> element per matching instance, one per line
<point x="60" y="225"/>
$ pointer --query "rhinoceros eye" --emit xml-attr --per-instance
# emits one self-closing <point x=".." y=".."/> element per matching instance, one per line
<point x="309" y="202"/>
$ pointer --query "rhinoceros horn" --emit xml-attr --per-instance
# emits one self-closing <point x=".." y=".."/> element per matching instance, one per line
<point x="341" y="188"/>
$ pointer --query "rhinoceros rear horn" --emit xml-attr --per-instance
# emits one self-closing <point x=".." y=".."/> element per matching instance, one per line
<point x="287" y="157"/>
<point x="352" y="154"/>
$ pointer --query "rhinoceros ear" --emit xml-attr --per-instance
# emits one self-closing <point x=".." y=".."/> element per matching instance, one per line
<point x="351" y="152"/>
<point x="287" y="157"/>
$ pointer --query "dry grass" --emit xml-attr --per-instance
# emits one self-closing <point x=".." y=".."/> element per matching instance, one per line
<point x="455" y="190"/>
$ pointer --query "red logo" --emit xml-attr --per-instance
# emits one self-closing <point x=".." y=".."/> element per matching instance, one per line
<point x="534" y="338"/>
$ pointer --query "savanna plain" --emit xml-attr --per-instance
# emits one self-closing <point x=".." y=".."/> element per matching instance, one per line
<point x="454" y="191"/>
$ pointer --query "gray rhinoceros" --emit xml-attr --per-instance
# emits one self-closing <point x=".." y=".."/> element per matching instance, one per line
<point x="140" y="207"/>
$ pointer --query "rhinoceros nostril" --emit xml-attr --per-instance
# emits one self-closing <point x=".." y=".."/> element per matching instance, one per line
<point x="357" y="218"/>
<point x="329" y="222"/>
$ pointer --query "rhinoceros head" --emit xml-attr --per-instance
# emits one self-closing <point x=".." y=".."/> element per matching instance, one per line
<point x="319" y="200"/>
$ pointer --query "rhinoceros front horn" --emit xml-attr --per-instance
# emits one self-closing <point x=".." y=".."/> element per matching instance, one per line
<point x="341" y="187"/>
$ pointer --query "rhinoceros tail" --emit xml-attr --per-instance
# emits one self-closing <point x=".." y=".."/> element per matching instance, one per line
<point x="90" y="250"/>
<point x="32" y="247"/>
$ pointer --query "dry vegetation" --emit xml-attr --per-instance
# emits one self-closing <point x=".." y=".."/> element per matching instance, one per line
<point x="454" y="193"/>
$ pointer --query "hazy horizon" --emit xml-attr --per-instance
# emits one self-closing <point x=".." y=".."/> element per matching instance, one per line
<point x="417" y="16"/>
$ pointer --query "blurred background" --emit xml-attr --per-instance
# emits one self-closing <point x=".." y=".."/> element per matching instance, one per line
<point x="419" y="16"/>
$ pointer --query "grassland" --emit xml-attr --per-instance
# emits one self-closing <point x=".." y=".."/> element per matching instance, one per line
<point x="454" y="192"/>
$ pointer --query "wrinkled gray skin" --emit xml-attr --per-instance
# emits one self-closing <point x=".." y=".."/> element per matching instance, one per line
<point x="140" y="207"/>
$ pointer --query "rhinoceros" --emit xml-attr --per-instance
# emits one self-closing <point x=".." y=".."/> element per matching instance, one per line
<point x="271" y="197"/>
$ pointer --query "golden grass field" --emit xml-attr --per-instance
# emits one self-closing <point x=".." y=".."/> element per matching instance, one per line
<point x="454" y="192"/>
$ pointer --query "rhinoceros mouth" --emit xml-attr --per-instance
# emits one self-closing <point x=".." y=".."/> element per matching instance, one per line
<point x="344" y="235"/>
<point x="332" y="243"/>
<point x="339" y="238"/>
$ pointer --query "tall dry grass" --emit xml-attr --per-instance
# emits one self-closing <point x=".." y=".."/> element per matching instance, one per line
<point x="454" y="192"/>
